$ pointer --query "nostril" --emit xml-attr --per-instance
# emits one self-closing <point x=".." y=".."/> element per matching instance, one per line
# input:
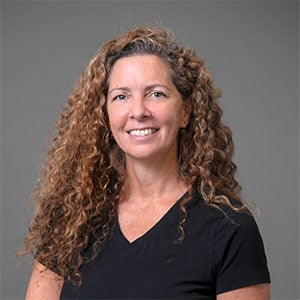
<point x="140" y="114"/>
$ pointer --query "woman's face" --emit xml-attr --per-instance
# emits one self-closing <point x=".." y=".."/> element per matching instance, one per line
<point x="145" y="109"/>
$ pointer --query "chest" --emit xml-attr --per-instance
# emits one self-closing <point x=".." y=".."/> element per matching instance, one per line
<point x="154" y="264"/>
<point x="134" y="221"/>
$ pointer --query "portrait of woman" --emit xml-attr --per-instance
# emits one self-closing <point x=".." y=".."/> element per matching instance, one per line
<point x="138" y="198"/>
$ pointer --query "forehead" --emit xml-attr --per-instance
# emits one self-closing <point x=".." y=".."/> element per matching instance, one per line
<point x="142" y="66"/>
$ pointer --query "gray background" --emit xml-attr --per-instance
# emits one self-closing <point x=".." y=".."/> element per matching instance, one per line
<point x="252" y="49"/>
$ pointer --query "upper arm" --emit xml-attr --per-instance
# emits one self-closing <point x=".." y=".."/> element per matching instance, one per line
<point x="44" y="284"/>
<point x="254" y="292"/>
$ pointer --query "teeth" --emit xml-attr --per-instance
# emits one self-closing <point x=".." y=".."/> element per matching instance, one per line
<point x="143" y="132"/>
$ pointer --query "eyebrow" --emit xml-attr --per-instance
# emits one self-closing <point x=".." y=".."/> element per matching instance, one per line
<point x="156" y="85"/>
<point x="148" y="88"/>
<point x="125" y="89"/>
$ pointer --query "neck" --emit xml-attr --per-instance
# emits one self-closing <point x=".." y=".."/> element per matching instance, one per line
<point x="151" y="180"/>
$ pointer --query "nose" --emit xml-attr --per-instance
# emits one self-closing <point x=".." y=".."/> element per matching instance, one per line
<point x="139" y="109"/>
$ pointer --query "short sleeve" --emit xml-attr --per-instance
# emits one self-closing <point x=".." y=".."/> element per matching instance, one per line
<point x="239" y="254"/>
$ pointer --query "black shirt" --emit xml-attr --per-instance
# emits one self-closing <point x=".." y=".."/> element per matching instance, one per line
<point x="219" y="253"/>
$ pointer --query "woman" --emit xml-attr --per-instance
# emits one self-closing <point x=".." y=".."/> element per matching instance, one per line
<point x="138" y="198"/>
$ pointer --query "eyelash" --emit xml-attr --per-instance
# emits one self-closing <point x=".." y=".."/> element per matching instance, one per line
<point x="118" y="97"/>
<point x="155" y="94"/>
<point x="161" y="94"/>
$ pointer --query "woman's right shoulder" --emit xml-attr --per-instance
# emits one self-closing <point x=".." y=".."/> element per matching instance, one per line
<point x="44" y="283"/>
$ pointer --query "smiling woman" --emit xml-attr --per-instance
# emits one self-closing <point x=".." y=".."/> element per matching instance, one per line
<point x="138" y="198"/>
<point x="145" y="109"/>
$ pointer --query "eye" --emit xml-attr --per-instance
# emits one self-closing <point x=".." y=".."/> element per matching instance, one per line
<point x="119" y="97"/>
<point x="158" y="94"/>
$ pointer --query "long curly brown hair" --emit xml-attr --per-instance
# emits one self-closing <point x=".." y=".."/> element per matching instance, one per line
<point x="77" y="194"/>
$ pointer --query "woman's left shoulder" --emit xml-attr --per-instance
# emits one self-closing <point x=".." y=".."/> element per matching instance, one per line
<point x="223" y="214"/>
<point x="239" y="215"/>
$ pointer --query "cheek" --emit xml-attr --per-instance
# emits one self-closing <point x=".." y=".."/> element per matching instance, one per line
<point x="172" y="123"/>
<point x="114" y="118"/>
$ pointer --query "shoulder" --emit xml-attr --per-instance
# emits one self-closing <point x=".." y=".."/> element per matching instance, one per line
<point x="220" y="214"/>
<point x="233" y="243"/>
<point x="230" y="231"/>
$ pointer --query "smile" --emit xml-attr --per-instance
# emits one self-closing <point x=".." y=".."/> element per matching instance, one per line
<point x="142" y="132"/>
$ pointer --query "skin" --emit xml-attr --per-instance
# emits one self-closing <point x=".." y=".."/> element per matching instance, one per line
<point x="44" y="284"/>
<point x="48" y="285"/>
<point x="142" y="96"/>
<point x="254" y="292"/>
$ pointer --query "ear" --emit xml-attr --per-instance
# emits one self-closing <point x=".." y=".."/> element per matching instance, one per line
<point x="187" y="110"/>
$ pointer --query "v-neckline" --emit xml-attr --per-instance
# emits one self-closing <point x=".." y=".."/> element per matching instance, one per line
<point x="153" y="228"/>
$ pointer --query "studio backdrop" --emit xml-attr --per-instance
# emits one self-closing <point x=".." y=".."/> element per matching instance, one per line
<point x="252" y="50"/>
